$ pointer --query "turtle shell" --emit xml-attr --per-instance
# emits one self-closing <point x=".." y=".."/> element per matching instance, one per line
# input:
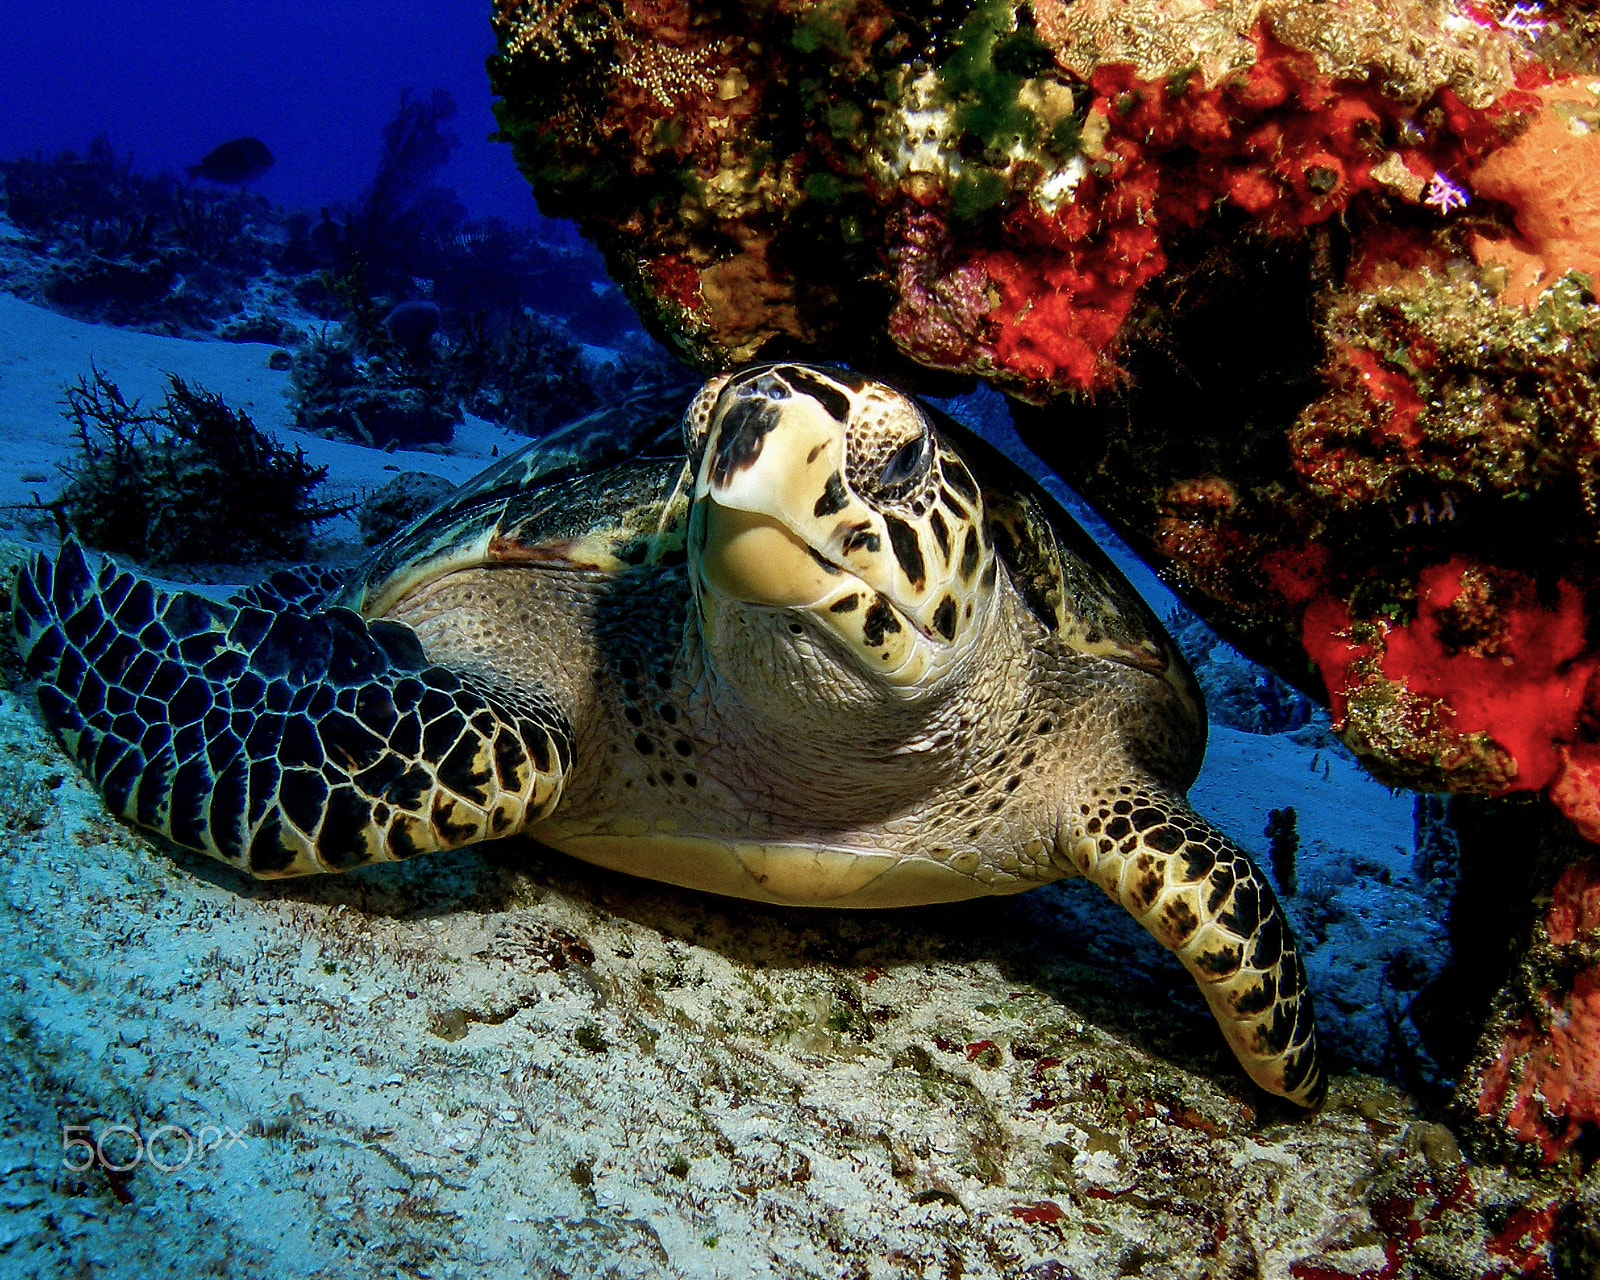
<point x="602" y="493"/>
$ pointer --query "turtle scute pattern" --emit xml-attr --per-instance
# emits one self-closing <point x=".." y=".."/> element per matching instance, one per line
<point x="280" y="740"/>
<point x="1201" y="897"/>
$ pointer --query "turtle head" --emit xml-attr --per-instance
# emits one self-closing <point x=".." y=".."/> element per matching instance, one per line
<point x="828" y="510"/>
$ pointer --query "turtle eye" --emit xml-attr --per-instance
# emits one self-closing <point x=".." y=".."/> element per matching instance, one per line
<point x="907" y="463"/>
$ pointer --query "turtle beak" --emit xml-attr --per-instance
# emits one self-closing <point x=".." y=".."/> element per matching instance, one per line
<point x="767" y="453"/>
<point x="752" y="557"/>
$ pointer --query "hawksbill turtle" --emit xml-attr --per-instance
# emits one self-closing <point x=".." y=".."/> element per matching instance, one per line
<point x="824" y="646"/>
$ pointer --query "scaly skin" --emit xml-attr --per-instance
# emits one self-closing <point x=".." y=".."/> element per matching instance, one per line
<point x="1201" y="897"/>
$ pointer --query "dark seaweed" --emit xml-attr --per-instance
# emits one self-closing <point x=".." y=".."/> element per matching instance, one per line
<point x="192" y="480"/>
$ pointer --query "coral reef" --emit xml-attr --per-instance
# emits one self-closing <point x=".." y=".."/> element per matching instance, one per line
<point x="1352" y="266"/>
<point x="191" y="480"/>
<point x="132" y="249"/>
<point x="1542" y="1084"/>
<point x="529" y="377"/>
<point x="1300" y="297"/>
<point x="989" y="185"/>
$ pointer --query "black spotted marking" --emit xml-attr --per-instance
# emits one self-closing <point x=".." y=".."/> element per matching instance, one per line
<point x="991" y="575"/>
<point x="683" y="747"/>
<point x="745" y="427"/>
<point x="119" y="781"/>
<point x="452" y="820"/>
<point x="907" y="550"/>
<point x="1292" y="977"/>
<point x="1146" y="818"/>
<point x="1273" y="1036"/>
<point x="953" y="504"/>
<point x="1197" y="862"/>
<point x="944" y="618"/>
<point x="1147" y="884"/>
<point x="1220" y="961"/>
<point x="466" y="771"/>
<point x="410" y="790"/>
<point x="1164" y="839"/>
<point x="1178" y="922"/>
<point x="237" y="729"/>
<point x="270" y="852"/>
<point x="879" y="622"/>
<point x="1220" y="884"/>
<point x="644" y="744"/>
<point x="508" y="761"/>
<point x="1297" y="1069"/>
<point x="959" y="478"/>
<point x="341" y="843"/>
<point x="227" y="806"/>
<point x="1258" y="998"/>
<point x="407" y="838"/>
<point x="969" y="555"/>
<point x="941" y="534"/>
<point x="844" y="604"/>
<point x="822" y="562"/>
<point x="1118" y="827"/>
<point x="1244" y="912"/>
<point x="833" y="401"/>
<point x="833" y="499"/>
<point x="861" y="538"/>
<point x="1268" y="944"/>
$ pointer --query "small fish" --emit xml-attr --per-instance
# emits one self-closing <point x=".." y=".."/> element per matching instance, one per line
<point x="234" y="163"/>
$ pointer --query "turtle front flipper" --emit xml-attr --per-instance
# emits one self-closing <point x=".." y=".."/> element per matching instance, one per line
<point x="283" y="742"/>
<point x="1203" y="899"/>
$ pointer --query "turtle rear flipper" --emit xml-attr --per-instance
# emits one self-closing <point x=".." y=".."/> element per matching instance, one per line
<point x="283" y="743"/>
<point x="1203" y="899"/>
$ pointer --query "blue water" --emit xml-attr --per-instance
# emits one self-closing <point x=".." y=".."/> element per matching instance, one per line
<point x="314" y="79"/>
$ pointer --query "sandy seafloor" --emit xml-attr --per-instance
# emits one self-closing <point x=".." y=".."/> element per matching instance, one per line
<point x="502" y="1062"/>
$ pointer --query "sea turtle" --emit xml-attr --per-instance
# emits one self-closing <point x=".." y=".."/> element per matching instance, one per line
<point x="826" y="646"/>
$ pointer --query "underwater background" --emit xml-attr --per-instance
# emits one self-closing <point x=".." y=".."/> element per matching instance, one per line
<point x="269" y="289"/>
